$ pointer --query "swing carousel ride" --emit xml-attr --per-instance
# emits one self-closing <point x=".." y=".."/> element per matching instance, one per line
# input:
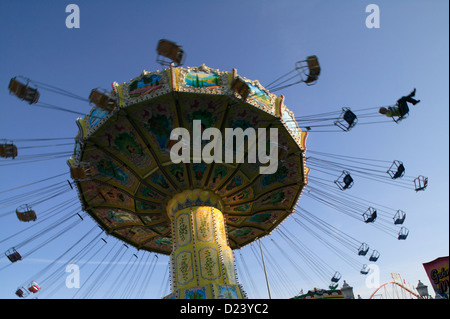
<point x="195" y="211"/>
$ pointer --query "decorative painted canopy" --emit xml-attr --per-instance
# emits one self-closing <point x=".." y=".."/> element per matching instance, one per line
<point x="125" y="176"/>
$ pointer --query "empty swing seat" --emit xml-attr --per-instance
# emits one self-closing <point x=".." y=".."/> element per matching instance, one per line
<point x="170" y="50"/>
<point x="81" y="173"/>
<point x="370" y="215"/>
<point x="347" y="120"/>
<point x="23" y="91"/>
<point x="375" y="255"/>
<point x="34" y="287"/>
<point x="420" y="183"/>
<point x="396" y="170"/>
<point x="25" y="213"/>
<point x="309" y="68"/>
<point x="399" y="217"/>
<point x="314" y="69"/>
<point x="348" y="180"/>
<point x="102" y="100"/>
<point x="13" y="255"/>
<point x="8" y="150"/>
<point x="345" y="181"/>
<point x="240" y="87"/>
<point x="364" y="270"/>
<point x="363" y="249"/>
<point x="21" y="292"/>
<point x="336" y="277"/>
<point x="403" y="233"/>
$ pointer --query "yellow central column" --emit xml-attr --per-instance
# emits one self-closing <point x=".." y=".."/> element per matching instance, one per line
<point x="202" y="262"/>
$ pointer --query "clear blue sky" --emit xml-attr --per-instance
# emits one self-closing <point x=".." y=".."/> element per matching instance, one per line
<point x="361" y="68"/>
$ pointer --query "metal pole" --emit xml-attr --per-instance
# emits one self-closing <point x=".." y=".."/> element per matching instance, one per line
<point x="265" y="272"/>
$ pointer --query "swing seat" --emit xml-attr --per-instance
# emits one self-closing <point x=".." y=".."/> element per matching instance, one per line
<point x="420" y="183"/>
<point x="34" y="287"/>
<point x="374" y="257"/>
<point x="370" y="215"/>
<point x="402" y="110"/>
<point x="314" y="69"/>
<point x="402" y="236"/>
<point x="240" y="87"/>
<point x="21" y="292"/>
<point x="170" y="50"/>
<point x="403" y="233"/>
<point x="23" y="91"/>
<point x="347" y="120"/>
<point x="310" y="69"/>
<point x="13" y="255"/>
<point x="364" y="270"/>
<point x="8" y="150"/>
<point x="102" y="100"/>
<point x="344" y="181"/>
<point x="336" y="277"/>
<point x="25" y="213"/>
<point x="399" y="217"/>
<point x="82" y="172"/>
<point x="363" y="249"/>
<point x="396" y="170"/>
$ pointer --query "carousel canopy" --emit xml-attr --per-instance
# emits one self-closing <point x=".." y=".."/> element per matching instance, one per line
<point x="125" y="176"/>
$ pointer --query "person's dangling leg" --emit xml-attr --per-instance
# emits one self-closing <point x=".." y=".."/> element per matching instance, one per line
<point x="411" y="100"/>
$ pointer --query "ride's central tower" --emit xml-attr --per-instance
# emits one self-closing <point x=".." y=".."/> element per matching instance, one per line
<point x="202" y="262"/>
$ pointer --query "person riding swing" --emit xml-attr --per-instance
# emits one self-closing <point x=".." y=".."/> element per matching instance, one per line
<point x="401" y="108"/>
